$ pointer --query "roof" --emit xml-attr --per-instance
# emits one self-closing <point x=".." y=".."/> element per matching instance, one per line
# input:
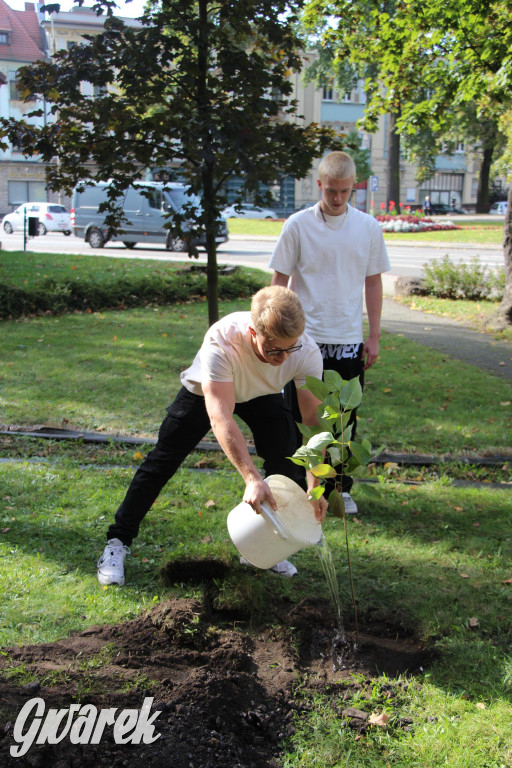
<point x="25" y="37"/>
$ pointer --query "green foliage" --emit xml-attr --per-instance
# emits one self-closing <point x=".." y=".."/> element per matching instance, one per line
<point x="58" y="295"/>
<point x="347" y="456"/>
<point x="198" y="87"/>
<point x="448" y="280"/>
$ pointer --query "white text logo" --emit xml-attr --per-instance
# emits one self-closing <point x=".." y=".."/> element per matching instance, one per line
<point x="82" y="725"/>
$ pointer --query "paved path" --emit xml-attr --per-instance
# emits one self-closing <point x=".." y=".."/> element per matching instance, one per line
<point x="447" y="336"/>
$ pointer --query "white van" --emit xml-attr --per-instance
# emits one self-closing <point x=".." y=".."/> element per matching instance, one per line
<point x="499" y="207"/>
<point x="146" y="205"/>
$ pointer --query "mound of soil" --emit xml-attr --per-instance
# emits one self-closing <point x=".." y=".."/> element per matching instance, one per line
<point x="224" y="688"/>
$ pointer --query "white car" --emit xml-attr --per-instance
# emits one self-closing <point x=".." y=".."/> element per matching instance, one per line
<point x="248" y="211"/>
<point x="500" y="207"/>
<point x="52" y="218"/>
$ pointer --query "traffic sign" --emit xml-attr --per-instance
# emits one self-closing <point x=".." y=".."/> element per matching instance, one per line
<point x="374" y="183"/>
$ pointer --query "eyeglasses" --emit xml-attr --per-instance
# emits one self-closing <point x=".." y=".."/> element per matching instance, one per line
<point x="277" y="351"/>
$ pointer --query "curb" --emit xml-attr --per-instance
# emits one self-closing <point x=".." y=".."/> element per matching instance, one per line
<point x="404" y="459"/>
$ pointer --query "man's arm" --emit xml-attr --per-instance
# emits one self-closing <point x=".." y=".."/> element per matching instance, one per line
<point x="279" y="278"/>
<point x="308" y="404"/>
<point x="219" y="399"/>
<point x="373" y="295"/>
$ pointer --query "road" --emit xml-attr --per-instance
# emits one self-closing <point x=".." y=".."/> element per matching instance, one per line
<point x="406" y="259"/>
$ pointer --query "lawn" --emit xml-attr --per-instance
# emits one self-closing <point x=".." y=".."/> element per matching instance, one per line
<point x="430" y="560"/>
<point x="476" y="232"/>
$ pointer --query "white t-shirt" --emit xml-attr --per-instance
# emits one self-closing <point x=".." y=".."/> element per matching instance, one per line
<point x="328" y="262"/>
<point x="227" y="355"/>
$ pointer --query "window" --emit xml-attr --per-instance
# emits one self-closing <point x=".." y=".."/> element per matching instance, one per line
<point x="20" y="191"/>
<point x="14" y="94"/>
<point x="328" y="93"/>
<point x="4" y="38"/>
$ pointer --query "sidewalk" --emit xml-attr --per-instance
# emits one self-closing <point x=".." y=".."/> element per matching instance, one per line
<point x="445" y="335"/>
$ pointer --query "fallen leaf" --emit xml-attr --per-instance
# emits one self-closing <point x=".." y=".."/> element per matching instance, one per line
<point x="473" y="622"/>
<point x="505" y="581"/>
<point x="505" y="402"/>
<point x="459" y="509"/>
<point x="481" y="705"/>
<point x="137" y="456"/>
<point x="4" y="530"/>
<point x="376" y="719"/>
<point x="356" y="520"/>
<point x="476" y="525"/>
<point x="464" y="576"/>
<point x="206" y="540"/>
<point x="210" y="503"/>
<point x="387" y="389"/>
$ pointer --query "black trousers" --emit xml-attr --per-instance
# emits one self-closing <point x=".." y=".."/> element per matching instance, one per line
<point x="348" y="368"/>
<point x="269" y="419"/>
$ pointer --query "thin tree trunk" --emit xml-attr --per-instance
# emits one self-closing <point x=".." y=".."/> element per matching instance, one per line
<point x="393" y="166"/>
<point x="482" y="196"/>
<point x="503" y="317"/>
<point x="207" y="167"/>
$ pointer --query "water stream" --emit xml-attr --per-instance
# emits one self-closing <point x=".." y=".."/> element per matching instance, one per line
<point x="339" y="641"/>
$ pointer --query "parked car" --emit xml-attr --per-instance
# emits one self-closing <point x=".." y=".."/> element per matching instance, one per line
<point x="148" y="207"/>
<point x="440" y="209"/>
<point x="500" y="207"/>
<point x="52" y="218"/>
<point x="248" y="211"/>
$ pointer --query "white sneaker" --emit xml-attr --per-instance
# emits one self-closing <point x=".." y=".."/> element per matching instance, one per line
<point x="283" y="568"/>
<point x="350" y="505"/>
<point x="111" y="563"/>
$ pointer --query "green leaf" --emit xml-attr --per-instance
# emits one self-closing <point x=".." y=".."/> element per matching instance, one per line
<point x="317" y="387"/>
<point x="336" y="504"/>
<point x="351" y="394"/>
<point x="308" y="432"/>
<point x="317" y="492"/>
<point x="323" y="471"/>
<point x="320" y="441"/>
<point x="333" y="381"/>
<point x="359" y="452"/>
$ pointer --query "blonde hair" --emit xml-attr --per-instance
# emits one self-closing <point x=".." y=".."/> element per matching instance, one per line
<point x="337" y="165"/>
<point x="277" y="313"/>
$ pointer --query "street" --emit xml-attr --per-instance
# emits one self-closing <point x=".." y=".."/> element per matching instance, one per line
<point x="406" y="260"/>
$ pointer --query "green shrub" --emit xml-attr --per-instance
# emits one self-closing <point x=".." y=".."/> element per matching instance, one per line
<point x="463" y="281"/>
<point x="51" y="296"/>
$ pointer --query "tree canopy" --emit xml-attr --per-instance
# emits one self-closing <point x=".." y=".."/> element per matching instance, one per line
<point x="436" y="66"/>
<point x="200" y="85"/>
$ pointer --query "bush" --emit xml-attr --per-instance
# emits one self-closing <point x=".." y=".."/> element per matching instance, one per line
<point x="463" y="281"/>
<point x="51" y="296"/>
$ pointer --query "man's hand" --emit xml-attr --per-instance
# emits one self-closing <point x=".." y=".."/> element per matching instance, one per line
<point x="320" y="508"/>
<point x="256" y="491"/>
<point x="370" y="352"/>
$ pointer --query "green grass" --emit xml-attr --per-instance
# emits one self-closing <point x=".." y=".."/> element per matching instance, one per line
<point x="115" y="372"/>
<point x="478" y="233"/>
<point x="426" y="557"/>
<point x="475" y="314"/>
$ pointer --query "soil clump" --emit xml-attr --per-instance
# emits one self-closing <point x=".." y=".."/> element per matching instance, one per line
<point x="226" y="688"/>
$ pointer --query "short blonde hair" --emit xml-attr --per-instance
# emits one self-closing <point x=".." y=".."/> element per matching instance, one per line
<point x="337" y="165"/>
<point x="277" y="313"/>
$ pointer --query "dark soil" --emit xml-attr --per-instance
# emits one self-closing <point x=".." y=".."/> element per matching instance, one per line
<point x="226" y="688"/>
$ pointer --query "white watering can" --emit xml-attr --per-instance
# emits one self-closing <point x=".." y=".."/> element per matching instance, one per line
<point x="265" y="539"/>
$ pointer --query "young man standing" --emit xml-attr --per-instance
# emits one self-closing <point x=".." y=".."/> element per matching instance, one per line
<point x="329" y="254"/>
<point x="244" y="362"/>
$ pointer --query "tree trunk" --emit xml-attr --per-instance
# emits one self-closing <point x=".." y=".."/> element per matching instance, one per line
<point x="482" y="196"/>
<point x="207" y="166"/>
<point x="393" y="165"/>
<point x="503" y="317"/>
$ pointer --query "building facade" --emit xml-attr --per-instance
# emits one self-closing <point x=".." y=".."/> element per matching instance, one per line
<point x="32" y="34"/>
